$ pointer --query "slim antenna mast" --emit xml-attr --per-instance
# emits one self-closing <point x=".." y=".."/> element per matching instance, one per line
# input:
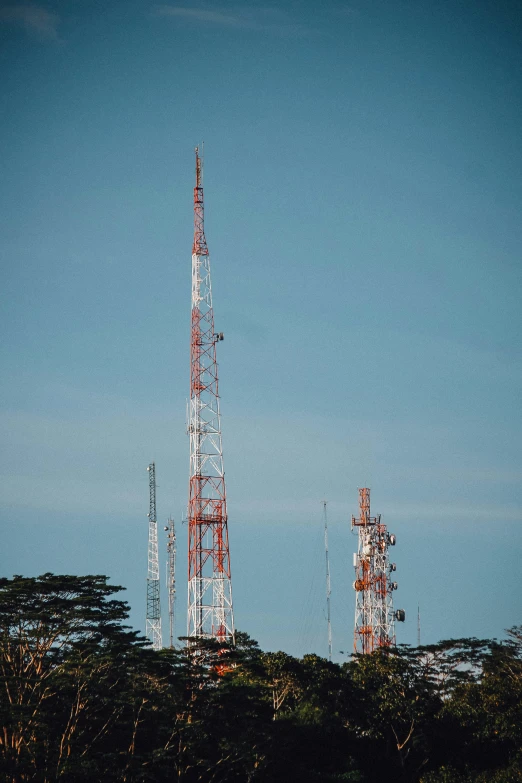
<point x="153" y="621"/>
<point x="171" y="576"/>
<point x="328" y="589"/>
<point x="210" y="613"/>
<point x="418" y="626"/>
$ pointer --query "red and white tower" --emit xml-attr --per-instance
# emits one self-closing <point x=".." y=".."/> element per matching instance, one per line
<point x="210" y="613"/>
<point x="374" y="615"/>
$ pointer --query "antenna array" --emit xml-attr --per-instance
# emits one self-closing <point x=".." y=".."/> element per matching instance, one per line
<point x="373" y="585"/>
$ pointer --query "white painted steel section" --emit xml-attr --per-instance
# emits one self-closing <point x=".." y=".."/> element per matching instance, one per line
<point x="153" y="618"/>
<point x="171" y="577"/>
<point x="374" y="605"/>
<point x="210" y="596"/>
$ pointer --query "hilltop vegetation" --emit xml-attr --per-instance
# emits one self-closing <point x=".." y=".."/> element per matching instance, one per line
<point x="82" y="698"/>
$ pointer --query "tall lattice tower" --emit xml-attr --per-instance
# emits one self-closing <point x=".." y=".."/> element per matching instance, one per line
<point x="374" y="615"/>
<point x="153" y="621"/>
<point x="171" y="576"/>
<point x="210" y="613"/>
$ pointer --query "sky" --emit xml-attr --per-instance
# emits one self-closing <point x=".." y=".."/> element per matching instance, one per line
<point x="363" y="192"/>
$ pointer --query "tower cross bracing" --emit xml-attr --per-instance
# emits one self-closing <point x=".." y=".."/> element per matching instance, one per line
<point x="373" y="585"/>
<point x="153" y="619"/>
<point x="210" y="611"/>
<point x="171" y="576"/>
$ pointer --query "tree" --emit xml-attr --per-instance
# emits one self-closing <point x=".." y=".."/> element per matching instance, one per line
<point x="282" y="677"/>
<point x="57" y="634"/>
<point x="392" y="708"/>
<point x="480" y="726"/>
<point x="82" y="698"/>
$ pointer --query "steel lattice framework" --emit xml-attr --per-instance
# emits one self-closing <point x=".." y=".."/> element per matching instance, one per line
<point x="210" y="613"/>
<point x="153" y="621"/>
<point x="374" y="615"/>
<point x="171" y="576"/>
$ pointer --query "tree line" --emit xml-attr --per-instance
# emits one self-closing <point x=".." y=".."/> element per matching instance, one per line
<point x="84" y="698"/>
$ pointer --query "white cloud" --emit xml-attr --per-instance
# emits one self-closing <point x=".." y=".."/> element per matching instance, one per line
<point x="306" y="513"/>
<point x="56" y="493"/>
<point x="36" y="20"/>
<point x="200" y="15"/>
<point x="266" y="19"/>
<point x="89" y="461"/>
<point x="441" y="512"/>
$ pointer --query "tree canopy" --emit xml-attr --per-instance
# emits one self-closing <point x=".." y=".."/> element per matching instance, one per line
<point x="84" y="698"/>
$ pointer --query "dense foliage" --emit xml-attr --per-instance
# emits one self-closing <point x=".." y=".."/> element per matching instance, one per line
<point x="82" y="698"/>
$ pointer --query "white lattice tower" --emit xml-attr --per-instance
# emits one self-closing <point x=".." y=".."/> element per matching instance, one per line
<point x="210" y="613"/>
<point x="153" y="620"/>
<point x="171" y="576"/>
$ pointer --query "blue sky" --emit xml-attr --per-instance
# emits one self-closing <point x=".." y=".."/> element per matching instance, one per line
<point x="363" y="190"/>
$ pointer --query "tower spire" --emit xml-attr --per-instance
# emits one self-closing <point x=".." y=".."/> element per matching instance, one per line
<point x="153" y="620"/>
<point x="210" y="613"/>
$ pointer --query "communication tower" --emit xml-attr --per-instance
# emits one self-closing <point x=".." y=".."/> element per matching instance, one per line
<point x="328" y="589"/>
<point x="373" y="585"/>
<point x="210" y="613"/>
<point x="171" y="576"/>
<point x="153" y="621"/>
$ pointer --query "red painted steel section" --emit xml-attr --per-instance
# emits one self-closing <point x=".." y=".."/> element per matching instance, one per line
<point x="208" y="554"/>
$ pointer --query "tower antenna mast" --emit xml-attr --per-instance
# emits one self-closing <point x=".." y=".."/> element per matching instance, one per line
<point x="328" y="588"/>
<point x="374" y="615"/>
<point x="171" y="576"/>
<point x="153" y="620"/>
<point x="210" y="613"/>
